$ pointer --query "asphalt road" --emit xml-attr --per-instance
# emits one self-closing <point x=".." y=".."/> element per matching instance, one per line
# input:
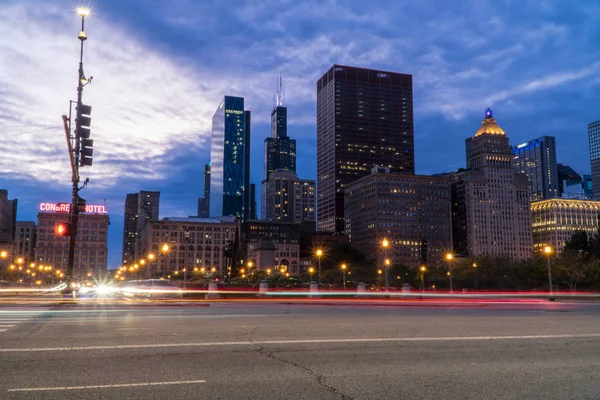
<point x="300" y="351"/>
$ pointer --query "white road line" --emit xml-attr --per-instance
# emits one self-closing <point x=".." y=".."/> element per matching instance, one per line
<point x="116" y="385"/>
<point x="3" y="330"/>
<point x="305" y="341"/>
<point x="6" y="326"/>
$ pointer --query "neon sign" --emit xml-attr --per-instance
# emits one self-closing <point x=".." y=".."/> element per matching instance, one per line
<point x="66" y="207"/>
<point x="234" y="111"/>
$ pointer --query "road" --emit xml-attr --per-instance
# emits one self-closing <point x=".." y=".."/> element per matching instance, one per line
<point x="300" y="351"/>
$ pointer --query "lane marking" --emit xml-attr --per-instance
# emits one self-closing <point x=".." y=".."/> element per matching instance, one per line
<point x="116" y="385"/>
<point x="305" y="341"/>
<point x="6" y="326"/>
<point x="3" y="330"/>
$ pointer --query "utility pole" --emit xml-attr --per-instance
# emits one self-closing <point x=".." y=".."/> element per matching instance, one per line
<point x="80" y="153"/>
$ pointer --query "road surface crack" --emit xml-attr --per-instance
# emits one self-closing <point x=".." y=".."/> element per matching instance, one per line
<point x="318" y="377"/>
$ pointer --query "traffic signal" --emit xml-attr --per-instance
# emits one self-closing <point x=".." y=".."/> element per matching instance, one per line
<point x="83" y="121"/>
<point x="63" y="229"/>
<point x="87" y="152"/>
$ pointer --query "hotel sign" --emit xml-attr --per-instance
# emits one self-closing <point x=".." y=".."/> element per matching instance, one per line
<point x="234" y="111"/>
<point x="66" y="207"/>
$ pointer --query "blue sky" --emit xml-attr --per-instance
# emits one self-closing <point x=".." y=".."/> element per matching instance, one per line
<point x="160" y="69"/>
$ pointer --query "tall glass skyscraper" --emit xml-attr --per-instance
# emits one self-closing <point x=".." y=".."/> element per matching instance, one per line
<point x="537" y="159"/>
<point x="594" y="138"/>
<point x="230" y="159"/>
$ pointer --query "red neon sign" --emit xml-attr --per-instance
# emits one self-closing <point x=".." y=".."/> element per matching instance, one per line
<point x="66" y="207"/>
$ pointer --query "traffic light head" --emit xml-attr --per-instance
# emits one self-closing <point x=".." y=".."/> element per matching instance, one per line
<point x="83" y="121"/>
<point x="87" y="152"/>
<point x="63" y="229"/>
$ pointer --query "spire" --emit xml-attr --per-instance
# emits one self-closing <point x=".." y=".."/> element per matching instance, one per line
<point x="489" y="125"/>
<point x="280" y="96"/>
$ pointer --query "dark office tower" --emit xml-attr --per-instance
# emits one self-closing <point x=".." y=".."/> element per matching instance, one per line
<point x="280" y="150"/>
<point x="537" y="159"/>
<point x="204" y="202"/>
<point x="228" y="153"/>
<point x="130" y="227"/>
<point x="140" y="208"/>
<point x="594" y="138"/>
<point x="364" y="120"/>
<point x="567" y="176"/>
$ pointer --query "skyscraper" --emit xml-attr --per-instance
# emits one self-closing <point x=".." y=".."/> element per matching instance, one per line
<point x="204" y="202"/>
<point x="594" y="139"/>
<point x="140" y="208"/>
<point x="288" y="198"/>
<point x="537" y="159"/>
<point x="364" y="120"/>
<point x="280" y="150"/>
<point x="229" y="157"/>
<point x="130" y="227"/>
<point x="490" y="201"/>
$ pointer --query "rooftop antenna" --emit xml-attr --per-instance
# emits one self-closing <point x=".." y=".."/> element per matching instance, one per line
<point x="280" y="97"/>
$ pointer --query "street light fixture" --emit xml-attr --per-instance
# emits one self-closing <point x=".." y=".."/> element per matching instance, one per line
<point x="344" y="274"/>
<point x="449" y="258"/>
<point x="165" y="248"/>
<point x="319" y="256"/>
<point x="548" y="251"/>
<point x="386" y="244"/>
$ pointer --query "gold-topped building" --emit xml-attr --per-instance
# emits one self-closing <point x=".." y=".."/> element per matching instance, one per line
<point x="490" y="202"/>
<point x="554" y="221"/>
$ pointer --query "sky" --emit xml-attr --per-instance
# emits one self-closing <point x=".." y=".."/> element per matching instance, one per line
<point x="161" y="68"/>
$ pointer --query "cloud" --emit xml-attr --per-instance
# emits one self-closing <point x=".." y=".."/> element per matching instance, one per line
<point x="144" y="103"/>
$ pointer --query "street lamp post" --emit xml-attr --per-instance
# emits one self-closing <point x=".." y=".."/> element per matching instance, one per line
<point x="344" y="274"/>
<point x="449" y="258"/>
<point x="75" y="202"/>
<point x="385" y="244"/>
<point x="3" y="256"/>
<point x="548" y="251"/>
<point x="319" y="255"/>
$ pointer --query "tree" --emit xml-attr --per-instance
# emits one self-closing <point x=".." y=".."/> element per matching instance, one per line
<point x="579" y="241"/>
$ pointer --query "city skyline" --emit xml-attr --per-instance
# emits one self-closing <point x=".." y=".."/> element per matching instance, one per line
<point x="168" y="150"/>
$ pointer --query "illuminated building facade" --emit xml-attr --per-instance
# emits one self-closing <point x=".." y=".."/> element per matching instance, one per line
<point x="288" y="198"/>
<point x="594" y="140"/>
<point x="364" y="120"/>
<point x="554" y="221"/>
<point x="193" y="243"/>
<point x="230" y="160"/>
<point x="285" y="236"/>
<point x="490" y="201"/>
<point x="537" y="160"/>
<point x="91" y="246"/>
<point x="411" y="211"/>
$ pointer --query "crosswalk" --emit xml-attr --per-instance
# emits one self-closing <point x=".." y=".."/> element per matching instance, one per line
<point x="11" y="319"/>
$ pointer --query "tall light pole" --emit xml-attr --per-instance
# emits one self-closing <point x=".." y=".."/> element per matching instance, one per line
<point x="343" y="267"/>
<point x="386" y="262"/>
<point x="319" y="255"/>
<point x="74" y="153"/>
<point x="449" y="258"/>
<point x="548" y="251"/>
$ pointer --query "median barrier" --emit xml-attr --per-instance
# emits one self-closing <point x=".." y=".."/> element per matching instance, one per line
<point x="213" y="290"/>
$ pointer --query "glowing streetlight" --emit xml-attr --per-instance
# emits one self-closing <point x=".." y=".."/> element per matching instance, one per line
<point x="3" y="254"/>
<point x="142" y="261"/>
<point x="83" y="11"/>
<point x="165" y="248"/>
<point x="449" y="258"/>
<point x="151" y="256"/>
<point x="343" y="267"/>
<point x="319" y="256"/>
<point x="548" y="251"/>
<point x="20" y="260"/>
<point x="386" y="244"/>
